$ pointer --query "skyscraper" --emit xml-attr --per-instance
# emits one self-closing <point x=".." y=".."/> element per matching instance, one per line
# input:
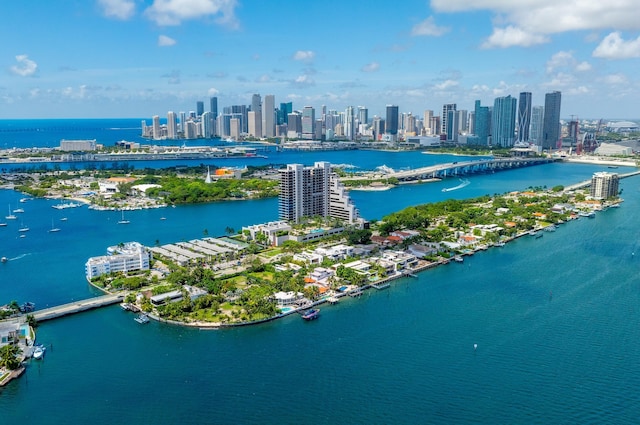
<point x="537" y="119"/>
<point x="172" y="125"/>
<point x="285" y="110"/>
<point x="348" y="123"/>
<point x="503" y="121"/>
<point x="391" y="123"/>
<point x="308" y="120"/>
<point x="524" y="116"/>
<point x="268" y="116"/>
<point x="363" y="114"/>
<point x="447" y="122"/>
<point x="256" y="103"/>
<point x="213" y="104"/>
<point x="208" y="125"/>
<point x="156" y="127"/>
<point x="313" y="191"/>
<point x="551" y="122"/>
<point x="428" y="114"/>
<point x="255" y="123"/>
<point x="199" y="108"/>
<point x="482" y="125"/>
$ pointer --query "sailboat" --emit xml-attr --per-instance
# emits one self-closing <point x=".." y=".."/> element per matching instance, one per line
<point x="23" y="228"/>
<point x="10" y="216"/>
<point x="123" y="221"/>
<point x="53" y="229"/>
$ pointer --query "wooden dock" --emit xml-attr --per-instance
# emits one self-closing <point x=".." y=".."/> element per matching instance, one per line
<point x="76" y="307"/>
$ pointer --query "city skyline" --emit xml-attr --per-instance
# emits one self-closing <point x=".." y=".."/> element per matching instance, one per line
<point x="139" y="58"/>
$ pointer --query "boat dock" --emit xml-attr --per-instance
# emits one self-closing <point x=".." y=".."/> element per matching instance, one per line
<point x="76" y="307"/>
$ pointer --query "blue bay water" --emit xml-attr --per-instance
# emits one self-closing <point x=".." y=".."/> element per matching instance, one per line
<point x="555" y="319"/>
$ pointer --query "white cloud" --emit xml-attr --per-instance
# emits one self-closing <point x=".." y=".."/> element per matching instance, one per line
<point x="513" y="36"/>
<point x="304" y="55"/>
<point x="583" y="66"/>
<point x="615" y="79"/>
<point x="614" y="47"/>
<point x="428" y="27"/>
<point x="552" y="16"/>
<point x="173" y="12"/>
<point x="25" y="67"/>
<point x="119" y="9"/>
<point x="303" y="81"/>
<point x="213" y="91"/>
<point x="371" y="67"/>
<point x="164" y="41"/>
<point x="446" y="84"/>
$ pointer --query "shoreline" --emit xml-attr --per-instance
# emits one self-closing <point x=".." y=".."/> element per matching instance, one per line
<point x="600" y="161"/>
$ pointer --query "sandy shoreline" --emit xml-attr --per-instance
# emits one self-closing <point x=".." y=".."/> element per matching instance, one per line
<point x="600" y="161"/>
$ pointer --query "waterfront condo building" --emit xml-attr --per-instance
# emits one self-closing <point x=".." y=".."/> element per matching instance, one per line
<point x="313" y="191"/>
<point x="551" y="122"/>
<point x="604" y="185"/>
<point x="123" y="258"/>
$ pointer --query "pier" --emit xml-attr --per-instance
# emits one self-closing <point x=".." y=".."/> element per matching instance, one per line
<point x="77" y="307"/>
<point x="453" y="169"/>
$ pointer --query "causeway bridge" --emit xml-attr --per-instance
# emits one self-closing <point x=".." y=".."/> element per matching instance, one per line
<point x="76" y="307"/>
<point x="453" y="169"/>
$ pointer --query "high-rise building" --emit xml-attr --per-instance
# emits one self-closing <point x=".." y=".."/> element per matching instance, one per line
<point x="448" y="121"/>
<point x="482" y="123"/>
<point x="156" y="127"/>
<point x="463" y="124"/>
<point x="524" y="116"/>
<point x="172" y="125"/>
<point x="378" y="128"/>
<point x="308" y="120"/>
<point x="435" y="125"/>
<point x="604" y="185"/>
<point x="348" y="123"/>
<point x="268" y="116"/>
<point x="213" y="105"/>
<point x="284" y="111"/>
<point x="294" y="126"/>
<point x="183" y="121"/>
<point x="428" y="114"/>
<point x="537" y="119"/>
<point x="208" y="125"/>
<point x="391" y="123"/>
<point x="313" y="191"/>
<point x="255" y="124"/>
<point x="199" y="108"/>
<point x="503" y="121"/>
<point x="551" y="122"/>
<point x="256" y="103"/>
<point x="234" y="128"/>
<point x="363" y="115"/>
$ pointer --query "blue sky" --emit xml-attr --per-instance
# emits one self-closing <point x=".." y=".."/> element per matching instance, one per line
<point x="138" y="58"/>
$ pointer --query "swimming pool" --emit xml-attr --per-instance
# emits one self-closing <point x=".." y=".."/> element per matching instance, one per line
<point x="285" y="309"/>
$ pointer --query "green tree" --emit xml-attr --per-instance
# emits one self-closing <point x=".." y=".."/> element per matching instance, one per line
<point x="9" y="356"/>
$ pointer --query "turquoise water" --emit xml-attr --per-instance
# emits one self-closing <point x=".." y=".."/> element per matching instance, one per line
<point x="556" y="321"/>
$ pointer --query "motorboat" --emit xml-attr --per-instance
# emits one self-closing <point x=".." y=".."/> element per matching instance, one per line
<point x="311" y="314"/>
<point x="38" y="352"/>
<point x="142" y="319"/>
<point x="18" y="211"/>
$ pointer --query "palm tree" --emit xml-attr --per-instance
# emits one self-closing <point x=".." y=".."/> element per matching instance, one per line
<point x="9" y="356"/>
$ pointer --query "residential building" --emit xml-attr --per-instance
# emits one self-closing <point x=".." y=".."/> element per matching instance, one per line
<point x="604" y="185"/>
<point x="172" y="125"/>
<point x="524" y="116"/>
<point x="124" y="258"/>
<point x="268" y="116"/>
<point x="503" y="122"/>
<point x="448" y="121"/>
<point x="313" y="191"/>
<point x="537" y="119"/>
<point x="551" y="122"/>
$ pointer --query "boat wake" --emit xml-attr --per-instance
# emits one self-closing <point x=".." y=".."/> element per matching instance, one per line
<point x="18" y="257"/>
<point x="460" y="186"/>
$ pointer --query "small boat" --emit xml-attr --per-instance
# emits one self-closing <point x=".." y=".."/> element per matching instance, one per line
<point x="23" y="229"/>
<point x="27" y="307"/>
<point x="123" y="221"/>
<point x="10" y="216"/>
<point x="53" y="229"/>
<point x="38" y="352"/>
<point x="3" y="224"/>
<point x="550" y="228"/>
<point x="163" y="218"/>
<point x="458" y="259"/>
<point x="311" y="314"/>
<point x="18" y="211"/>
<point x="499" y="244"/>
<point x="63" y="219"/>
<point x="142" y="319"/>
<point x="4" y="260"/>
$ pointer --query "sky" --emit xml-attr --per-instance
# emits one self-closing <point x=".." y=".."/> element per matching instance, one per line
<point x="139" y="58"/>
